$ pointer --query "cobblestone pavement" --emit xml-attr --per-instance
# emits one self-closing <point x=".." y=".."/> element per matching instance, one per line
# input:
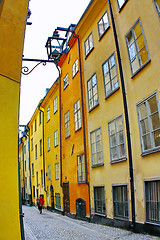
<point x="50" y="225"/>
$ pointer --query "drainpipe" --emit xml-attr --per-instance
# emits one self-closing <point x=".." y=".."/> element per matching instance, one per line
<point x="83" y="119"/>
<point x="60" y="120"/>
<point x="44" y="172"/>
<point x="126" y="118"/>
<point x="29" y="164"/>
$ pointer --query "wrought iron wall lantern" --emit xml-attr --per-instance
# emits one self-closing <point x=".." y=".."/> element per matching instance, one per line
<point x="54" y="46"/>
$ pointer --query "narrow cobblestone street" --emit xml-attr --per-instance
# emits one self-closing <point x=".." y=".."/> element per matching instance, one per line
<point x="50" y="225"/>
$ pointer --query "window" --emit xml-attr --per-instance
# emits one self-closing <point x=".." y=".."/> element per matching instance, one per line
<point x="55" y="105"/>
<point x="58" y="201"/>
<point x="37" y="178"/>
<point x="40" y="118"/>
<point x="49" y="172"/>
<point x="75" y="68"/>
<point x="103" y="25"/>
<point x="40" y="146"/>
<point x="25" y="165"/>
<point x="56" y="171"/>
<point x="96" y="147"/>
<point x="65" y="81"/>
<point x="152" y="198"/>
<point x="41" y="177"/>
<point x="67" y="124"/>
<point x="24" y="148"/>
<point x="110" y="75"/>
<point x="48" y="113"/>
<point x="149" y="123"/>
<point x="56" y="138"/>
<point x="32" y="130"/>
<point x="120" y="202"/>
<point x="116" y="139"/>
<point x="137" y="48"/>
<point x="92" y="89"/>
<point x="88" y="44"/>
<point x="81" y="168"/>
<point x="34" y="192"/>
<point x="77" y="116"/>
<point x="35" y="125"/>
<point x="99" y="200"/>
<point x="32" y="169"/>
<point x="32" y="144"/>
<point x="121" y="3"/>
<point x="36" y="151"/>
<point x="48" y="144"/>
<point x="157" y="5"/>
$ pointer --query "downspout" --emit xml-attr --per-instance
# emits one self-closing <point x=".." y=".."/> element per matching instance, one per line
<point x="44" y="172"/>
<point x="23" y="169"/>
<point x="60" y="120"/>
<point x="83" y="119"/>
<point x="30" y="166"/>
<point x="126" y="118"/>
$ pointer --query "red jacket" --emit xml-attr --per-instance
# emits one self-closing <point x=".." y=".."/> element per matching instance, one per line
<point x="41" y="201"/>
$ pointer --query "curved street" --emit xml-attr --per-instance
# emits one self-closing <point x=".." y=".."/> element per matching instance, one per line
<point x="50" y="225"/>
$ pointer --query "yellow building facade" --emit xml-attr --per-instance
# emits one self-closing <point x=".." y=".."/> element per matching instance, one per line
<point x="119" y="52"/>
<point x="75" y="175"/>
<point x="50" y="107"/>
<point x="12" y="27"/>
<point x="36" y="155"/>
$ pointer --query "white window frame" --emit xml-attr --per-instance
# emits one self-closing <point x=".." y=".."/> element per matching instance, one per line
<point x="65" y="81"/>
<point x="49" y="172"/>
<point x="93" y="99"/>
<point x="105" y="26"/>
<point x="56" y="138"/>
<point x="81" y="168"/>
<point x="77" y="116"/>
<point x="48" y="113"/>
<point x="152" y="201"/>
<point x="88" y="44"/>
<point x="67" y="124"/>
<point x="134" y="51"/>
<point x="150" y="126"/>
<point x="55" y="104"/>
<point x="75" y="68"/>
<point x="98" y="151"/>
<point x="117" y="144"/>
<point x="48" y="144"/>
<point x="157" y="7"/>
<point x="98" y="200"/>
<point x="107" y="68"/>
<point x="122" y="203"/>
<point x="56" y="171"/>
<point x="121" y="3"/>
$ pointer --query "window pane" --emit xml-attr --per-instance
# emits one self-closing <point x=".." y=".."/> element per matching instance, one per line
<point x="153" y="104"/>
<point x="146" y="142"/>
<point x="105" y="20"/>
<point x="145" y="126"/>
<point x="143" y="110"/>
<point x="157" y="138"/>
<point x="155" y="121"/>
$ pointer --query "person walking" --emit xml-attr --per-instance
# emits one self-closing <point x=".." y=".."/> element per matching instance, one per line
<point x="40" y="202"/>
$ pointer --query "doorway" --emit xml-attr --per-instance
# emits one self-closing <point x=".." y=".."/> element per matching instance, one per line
<point x="66" y="201"/>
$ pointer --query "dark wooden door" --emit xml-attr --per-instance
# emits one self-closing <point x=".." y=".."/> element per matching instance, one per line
<point x="52" y="197"/>
<point x="66" y="201"/>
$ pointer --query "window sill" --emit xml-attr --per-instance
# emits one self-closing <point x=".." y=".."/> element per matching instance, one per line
<point x="48" y="120"/>
<point x="78" y="129"/>
<point x="100" y="214"/>
<point x="152" y="223"/>
<point x="134" y="74"/>
<point x="116" y="89"/>
<point x="122" y="219"/>
<point x="67" y="137"/>
<point x="94" y="107"/>
<point x="89" y="53"/>
<point x="120" y="9"/>
<point x="118" y="160"/>
<point x="150" y="152"/>
<point x="100" y="37"/>
<point x="81" y="182"/>
<point x="98" y="165"/>
<point x="55" y="111"/>
<point x="65" y="87"/>
<point x="75" y="74"/>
